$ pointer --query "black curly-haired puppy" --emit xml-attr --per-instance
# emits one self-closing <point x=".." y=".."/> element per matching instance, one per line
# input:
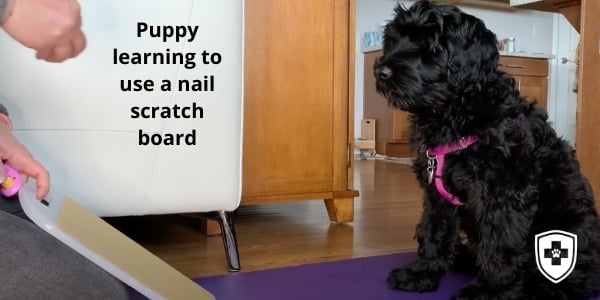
<point x="493" y="170"/>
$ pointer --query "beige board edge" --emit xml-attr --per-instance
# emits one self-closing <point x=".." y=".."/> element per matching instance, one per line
<point x="104" y="240"/>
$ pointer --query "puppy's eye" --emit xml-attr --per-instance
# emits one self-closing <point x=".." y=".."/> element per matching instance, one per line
<point x="422" y="44"/>
<point x="388" y="43"/>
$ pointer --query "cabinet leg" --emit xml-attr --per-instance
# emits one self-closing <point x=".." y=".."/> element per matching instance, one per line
<point x="340" y="210"/>
<point x="229" y="240"/>
<point x="210" y="227"/>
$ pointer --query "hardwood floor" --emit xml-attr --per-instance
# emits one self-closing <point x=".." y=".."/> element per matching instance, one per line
<point x="293" y="233"/>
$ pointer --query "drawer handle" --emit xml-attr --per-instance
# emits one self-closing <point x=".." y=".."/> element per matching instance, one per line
<point x="565" y="60"/>
<point x="516" y="66"/>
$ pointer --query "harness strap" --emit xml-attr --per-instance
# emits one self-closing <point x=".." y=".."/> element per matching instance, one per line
<point x="438" y="153"/>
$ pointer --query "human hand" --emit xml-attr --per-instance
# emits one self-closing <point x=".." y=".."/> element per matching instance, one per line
<point x="51" y="27"/>
<point x="17" y="156"/>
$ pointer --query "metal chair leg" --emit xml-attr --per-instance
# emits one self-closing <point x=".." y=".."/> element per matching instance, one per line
<point x="225" y="219"/>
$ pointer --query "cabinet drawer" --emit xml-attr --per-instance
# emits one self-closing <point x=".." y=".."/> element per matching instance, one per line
<point x="533" y="88"/>
<point x="523" y="66"/>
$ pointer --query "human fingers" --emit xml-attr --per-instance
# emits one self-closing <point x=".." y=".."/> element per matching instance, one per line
<point x="2" y="174"/>
<point x="58" y="53"/>
<point x="63" y="51"/>
<point x="42" y="178"/>
<point x="44" y="53"/>
<point x="79" y="43"/>
<point x="24" y="178"/>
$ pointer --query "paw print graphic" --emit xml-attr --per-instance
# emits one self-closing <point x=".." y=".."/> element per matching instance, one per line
<point x="556" y="253"/>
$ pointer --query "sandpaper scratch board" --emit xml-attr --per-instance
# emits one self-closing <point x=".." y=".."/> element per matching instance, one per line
<point x="108" y="248"/>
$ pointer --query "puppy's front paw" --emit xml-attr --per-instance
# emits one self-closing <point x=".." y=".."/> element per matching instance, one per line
<point x="413" y="280"/>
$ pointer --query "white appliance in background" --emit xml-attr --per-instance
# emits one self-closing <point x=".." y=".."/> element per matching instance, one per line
<point x="76" y="120"/>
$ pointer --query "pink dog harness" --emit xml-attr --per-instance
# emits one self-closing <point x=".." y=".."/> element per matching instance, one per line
<point x="435" y="165"/>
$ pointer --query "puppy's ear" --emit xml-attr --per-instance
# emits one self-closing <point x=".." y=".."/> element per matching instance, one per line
<point x="422" y="23"/>
<point x="429" y="24"/>
<point x="472" y="51"/>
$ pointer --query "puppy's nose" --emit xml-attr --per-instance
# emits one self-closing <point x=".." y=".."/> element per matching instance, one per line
<point x="383" y="72"/>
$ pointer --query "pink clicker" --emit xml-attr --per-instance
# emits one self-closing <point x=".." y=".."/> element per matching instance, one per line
<point x="12" y="183"/>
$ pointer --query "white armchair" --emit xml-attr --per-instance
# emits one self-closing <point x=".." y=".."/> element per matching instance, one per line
<point x="75" y="118"/>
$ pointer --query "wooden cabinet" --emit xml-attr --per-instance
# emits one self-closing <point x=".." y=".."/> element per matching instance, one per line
<point x="588" y="102"/>
<point x="392" y="134"/>
<point x="531" y="76"/>
<point x="298" y="110"/>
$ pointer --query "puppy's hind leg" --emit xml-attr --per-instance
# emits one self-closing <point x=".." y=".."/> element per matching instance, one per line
<point x="437" y="235"/>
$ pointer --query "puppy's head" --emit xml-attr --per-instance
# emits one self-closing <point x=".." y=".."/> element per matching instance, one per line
<point x="432" y="54"/>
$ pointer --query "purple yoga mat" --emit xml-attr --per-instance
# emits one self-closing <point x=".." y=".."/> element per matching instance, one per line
<point x="359" y="278"/>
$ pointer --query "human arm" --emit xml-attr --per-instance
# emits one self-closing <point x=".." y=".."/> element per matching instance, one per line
<point x="51" y="27"/>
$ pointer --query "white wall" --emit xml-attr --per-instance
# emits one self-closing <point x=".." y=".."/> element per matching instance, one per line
<point x="533" y="31"/>
<point x="563" y="110"/>
<point x="369" y="14"/>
